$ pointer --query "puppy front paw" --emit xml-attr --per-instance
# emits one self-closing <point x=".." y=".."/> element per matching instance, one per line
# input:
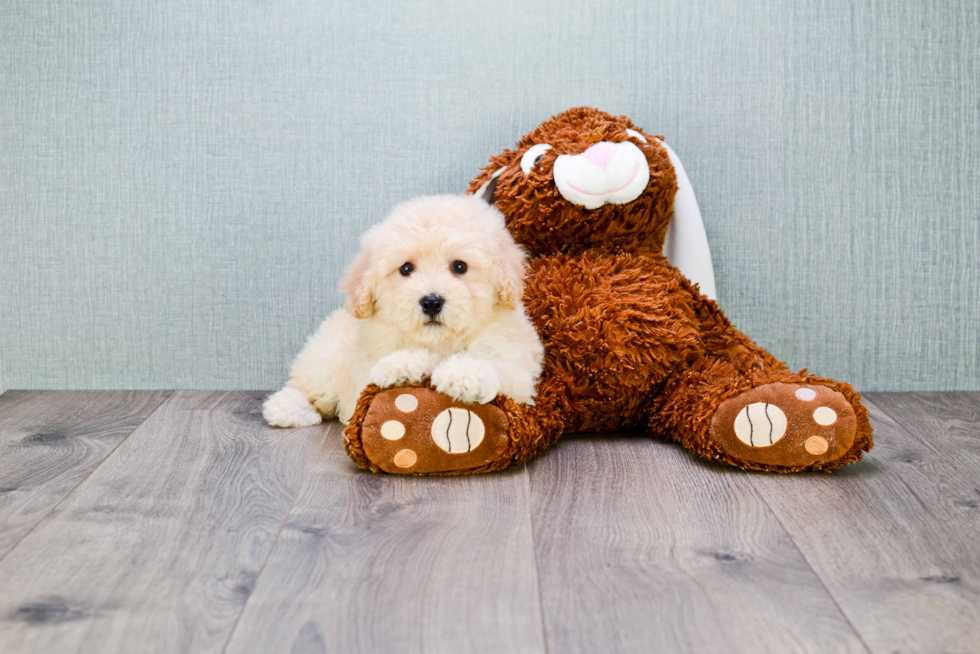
<point x="290" y="408"/>
<point x="466" y="379"/>
<point x="403" y="367"/>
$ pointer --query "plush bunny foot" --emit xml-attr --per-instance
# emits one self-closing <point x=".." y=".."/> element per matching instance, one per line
<point x="786" y="426"/>
<point x="414" y="430"/>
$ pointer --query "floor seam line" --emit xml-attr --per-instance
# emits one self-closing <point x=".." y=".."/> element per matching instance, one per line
<point x="534" y="558"/>
<point x="925" y="442"/>
<point x="816" y="574"/>
<point x="265" y="562"/>
<point x="86" y="477"/>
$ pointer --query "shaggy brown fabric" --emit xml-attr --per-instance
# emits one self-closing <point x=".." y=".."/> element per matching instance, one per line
<point x="628" y="340"/>
<point x="544" y="222"/>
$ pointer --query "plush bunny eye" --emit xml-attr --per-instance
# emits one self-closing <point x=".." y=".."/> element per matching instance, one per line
<point x="533" y="156"/>
<point x="636" y="135"/>
<point x="407" y="269"/>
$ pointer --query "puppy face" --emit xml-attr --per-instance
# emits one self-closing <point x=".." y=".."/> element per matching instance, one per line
<point x="436" y="269"/>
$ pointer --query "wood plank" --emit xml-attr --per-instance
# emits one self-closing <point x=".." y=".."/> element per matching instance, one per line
<point x="641" y="547"/>
<point x="947" y="423"/>
<point x="51" y="440"/>
<point x="895" y="540"/>
<point x="159" y="548"/>
<point x="377" y="563"/>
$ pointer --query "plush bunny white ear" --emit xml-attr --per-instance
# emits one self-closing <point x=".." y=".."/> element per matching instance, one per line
<point x="686" y="243"/>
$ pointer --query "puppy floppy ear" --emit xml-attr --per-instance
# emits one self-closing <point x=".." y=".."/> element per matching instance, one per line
<point x="359" y="287"/>
<point x="510" y="263"/>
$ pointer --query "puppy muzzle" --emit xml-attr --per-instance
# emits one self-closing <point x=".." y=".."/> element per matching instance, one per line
<point x="432" y="305"/>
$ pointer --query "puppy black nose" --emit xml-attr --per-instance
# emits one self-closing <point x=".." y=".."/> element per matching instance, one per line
<point x="432" y="305"/>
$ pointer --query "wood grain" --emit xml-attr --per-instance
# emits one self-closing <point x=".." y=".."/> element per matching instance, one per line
<point x="946" y="423"/>
<point x="51" y="440"/>
<point x="204" y="530"/>
<point x="895" y="540"/>
<point x="640" y="547"/>
<point x="377" y="563"/>
<point x="159" y="548"/>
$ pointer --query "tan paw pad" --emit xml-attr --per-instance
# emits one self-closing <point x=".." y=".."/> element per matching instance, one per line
<point x="760" y="424"/>
<point x="805" y="394"/>
<point x="405" y="458"/>
<point x="457" y="431"/>
<point x="816" y="445"/>
<point x="824" y="416"/>
<point x="393" y="430"/>
<point x="406" y="403"/>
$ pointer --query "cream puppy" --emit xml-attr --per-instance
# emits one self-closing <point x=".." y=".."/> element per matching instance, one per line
<point x="435" y="293"/>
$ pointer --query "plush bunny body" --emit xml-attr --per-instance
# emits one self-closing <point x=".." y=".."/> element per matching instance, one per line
<point x="629" y="341"/>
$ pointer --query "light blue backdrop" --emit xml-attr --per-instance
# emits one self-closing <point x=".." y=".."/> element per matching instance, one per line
<point x="182" y="183"/>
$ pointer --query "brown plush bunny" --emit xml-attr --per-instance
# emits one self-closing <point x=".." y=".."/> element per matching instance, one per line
<point x="628" y="339"/>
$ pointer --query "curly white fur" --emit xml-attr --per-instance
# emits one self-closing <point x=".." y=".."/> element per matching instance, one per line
<point x="467" y="378"/>
<point x="481" y="344"/>
<point x="403" y="367"/>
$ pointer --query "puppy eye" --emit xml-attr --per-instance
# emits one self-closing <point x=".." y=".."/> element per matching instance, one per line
<point x="533" y="156"/>
<point x="636" y="135"/>
<point x="458" y="267"/>
<point x="407" y="269"/>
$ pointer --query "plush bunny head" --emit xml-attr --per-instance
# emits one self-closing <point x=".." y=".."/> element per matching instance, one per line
<point x="583" y="178"/>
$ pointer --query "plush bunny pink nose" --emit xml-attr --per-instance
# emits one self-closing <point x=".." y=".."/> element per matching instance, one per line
<point x="601" y="153"/>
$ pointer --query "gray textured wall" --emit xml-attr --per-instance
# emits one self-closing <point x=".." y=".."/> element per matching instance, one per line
<point x="181" y="183"/>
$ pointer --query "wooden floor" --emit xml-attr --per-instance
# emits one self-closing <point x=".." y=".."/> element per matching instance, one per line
<point x="178" y="522"/>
